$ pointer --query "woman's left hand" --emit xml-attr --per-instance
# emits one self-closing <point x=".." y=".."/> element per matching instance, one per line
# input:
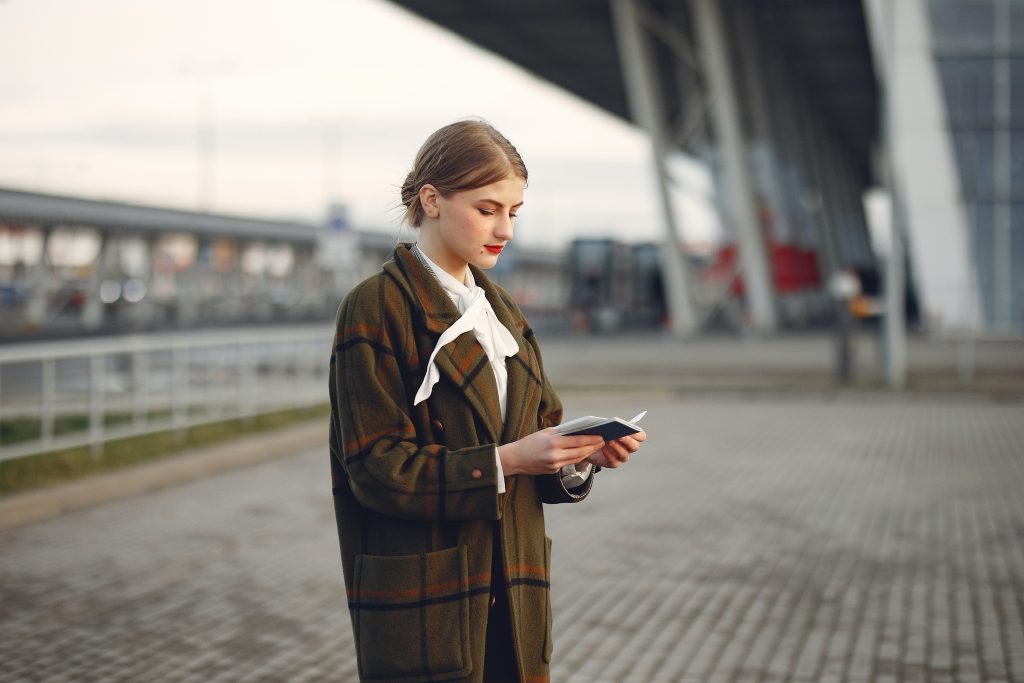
<point x="616" y="453"/>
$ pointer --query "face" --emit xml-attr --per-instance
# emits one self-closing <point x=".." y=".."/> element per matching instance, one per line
<point x="470" y="226"/>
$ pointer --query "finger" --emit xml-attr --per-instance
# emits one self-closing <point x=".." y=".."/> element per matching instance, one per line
<point x="616" y="449"/>
<point x="611" y="460"/>
<point x="578" y="441"/>
<point x="625" y="442"/>
<point x="629" y="443"/>
<point x="639" y="436"/>
<point x="617" y="460"/>
<point x="601" y="459"/>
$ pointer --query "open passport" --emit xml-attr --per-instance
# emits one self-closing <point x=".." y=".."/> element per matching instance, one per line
<point x="609" y="428"/>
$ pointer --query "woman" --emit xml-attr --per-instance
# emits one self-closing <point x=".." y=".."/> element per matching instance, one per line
<point x="442" y="447"/>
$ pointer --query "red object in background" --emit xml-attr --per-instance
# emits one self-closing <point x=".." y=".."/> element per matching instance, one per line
<point x="793" y="268"/>
<point x="814" y="277"/>
<point x="722" y="266"/>
<point x="786" y="268"/>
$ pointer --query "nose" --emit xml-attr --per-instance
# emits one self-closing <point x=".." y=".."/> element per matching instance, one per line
<point x="505" y="229"/>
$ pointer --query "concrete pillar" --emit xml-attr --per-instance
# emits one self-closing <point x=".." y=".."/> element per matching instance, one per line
<point x="923" y="166"/>
<point x="40" y="281"/>
<point x="894" y="341"/>
<point x="93" y="311"/>
<point x="144" y="313"/>
<point x="882" y="27"/>
<point x="717" y="65"/>
<point x="644" y="94"/>
<point x="186" y="284"/>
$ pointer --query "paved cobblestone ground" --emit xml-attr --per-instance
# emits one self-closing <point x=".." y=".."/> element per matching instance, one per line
<point x="785" y="539"/>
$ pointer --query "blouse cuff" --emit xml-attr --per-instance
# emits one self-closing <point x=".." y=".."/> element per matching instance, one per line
<point x="573" y="476"/>
<point x="501" y="472"/>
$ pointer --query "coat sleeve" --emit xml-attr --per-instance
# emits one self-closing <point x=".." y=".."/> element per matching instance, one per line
<point x="390" y="470"/>
<point x="549" y="414"/>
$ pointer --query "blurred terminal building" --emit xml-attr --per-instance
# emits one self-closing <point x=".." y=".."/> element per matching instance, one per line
<point x="812" y="114"/>
<point x="71" y="266"/>
<point x="853" y="144"/>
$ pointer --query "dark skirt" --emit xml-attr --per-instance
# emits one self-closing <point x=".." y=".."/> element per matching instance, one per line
<point x="499" y="654"/>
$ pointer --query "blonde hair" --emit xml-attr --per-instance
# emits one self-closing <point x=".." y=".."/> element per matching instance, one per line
<point x="461" y="156"/>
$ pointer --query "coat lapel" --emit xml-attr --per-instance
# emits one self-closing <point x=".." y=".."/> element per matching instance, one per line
<point x="463" y="361"/>
<point x="524" y="383"/>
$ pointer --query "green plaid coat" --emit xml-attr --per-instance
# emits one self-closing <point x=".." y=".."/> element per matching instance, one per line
<point x="415" y="490"/>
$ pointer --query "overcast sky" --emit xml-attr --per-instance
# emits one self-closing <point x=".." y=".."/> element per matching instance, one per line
<point x="309" y="101"/>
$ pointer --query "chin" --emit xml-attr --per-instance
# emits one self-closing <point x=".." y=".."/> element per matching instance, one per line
<point x="486" y="261"/>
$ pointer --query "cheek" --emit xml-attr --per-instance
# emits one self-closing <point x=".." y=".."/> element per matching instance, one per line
<point x="472" y="228"/>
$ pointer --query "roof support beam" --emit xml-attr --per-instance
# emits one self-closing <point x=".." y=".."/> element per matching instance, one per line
<point x="717" y="68"/>
<point x="692" y="118"/>
<point x="763" y="147"/>
<point x="644" y="95"/>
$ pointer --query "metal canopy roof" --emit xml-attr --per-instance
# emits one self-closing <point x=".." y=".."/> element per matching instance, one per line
<point x="572" y="44"/>
<point x="45" y="209"/>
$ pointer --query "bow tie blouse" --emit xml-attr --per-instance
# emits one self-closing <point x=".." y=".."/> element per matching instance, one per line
<point x="497" y="342"/>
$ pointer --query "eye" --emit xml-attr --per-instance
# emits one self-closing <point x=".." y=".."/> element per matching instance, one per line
<point x="513" y="215"/>
<point x="486" y="212"/>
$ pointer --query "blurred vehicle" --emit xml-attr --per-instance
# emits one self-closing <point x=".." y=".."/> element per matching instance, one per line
<point x="614" y="286"/>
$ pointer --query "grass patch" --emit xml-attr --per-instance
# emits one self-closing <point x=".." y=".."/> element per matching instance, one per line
<point x="16" y="429"/>
<point x="44" y="469"/>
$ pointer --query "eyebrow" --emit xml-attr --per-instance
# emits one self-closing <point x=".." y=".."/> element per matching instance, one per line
<point x="498" y="204"/>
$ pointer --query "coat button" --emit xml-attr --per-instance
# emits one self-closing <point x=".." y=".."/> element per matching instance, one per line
<point x="476" y="474"/>
<point x="437" y="425"/>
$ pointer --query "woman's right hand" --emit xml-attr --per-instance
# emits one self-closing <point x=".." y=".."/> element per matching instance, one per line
<point x="545" y="452"/>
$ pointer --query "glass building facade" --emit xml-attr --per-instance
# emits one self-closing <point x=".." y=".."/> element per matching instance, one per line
<point x="979" y="54"/>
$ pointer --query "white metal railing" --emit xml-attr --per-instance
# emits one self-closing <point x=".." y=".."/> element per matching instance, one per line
<point x="138" y="384"/>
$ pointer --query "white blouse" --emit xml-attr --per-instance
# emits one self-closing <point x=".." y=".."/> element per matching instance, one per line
<point x="497" y="342"/>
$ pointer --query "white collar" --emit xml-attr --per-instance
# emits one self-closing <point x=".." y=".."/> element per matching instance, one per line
<point x="446" y="279"/>
<point x="477" y="316"/>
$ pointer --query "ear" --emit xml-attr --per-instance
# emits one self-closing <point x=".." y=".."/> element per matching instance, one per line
<point x="428" y="200"/>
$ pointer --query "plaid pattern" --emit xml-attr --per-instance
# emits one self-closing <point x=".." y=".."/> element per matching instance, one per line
<point x="434" y="602"/>
<point x="416" y="527"/>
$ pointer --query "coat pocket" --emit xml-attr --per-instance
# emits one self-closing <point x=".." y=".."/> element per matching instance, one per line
<point x="411" y="616"/>
<point x="549" y="642"/>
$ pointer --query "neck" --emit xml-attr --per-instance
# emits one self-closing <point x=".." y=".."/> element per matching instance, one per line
<point x="451" y="263"/>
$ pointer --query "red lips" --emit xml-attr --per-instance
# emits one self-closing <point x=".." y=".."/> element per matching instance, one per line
<point x="494" y="250"/>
